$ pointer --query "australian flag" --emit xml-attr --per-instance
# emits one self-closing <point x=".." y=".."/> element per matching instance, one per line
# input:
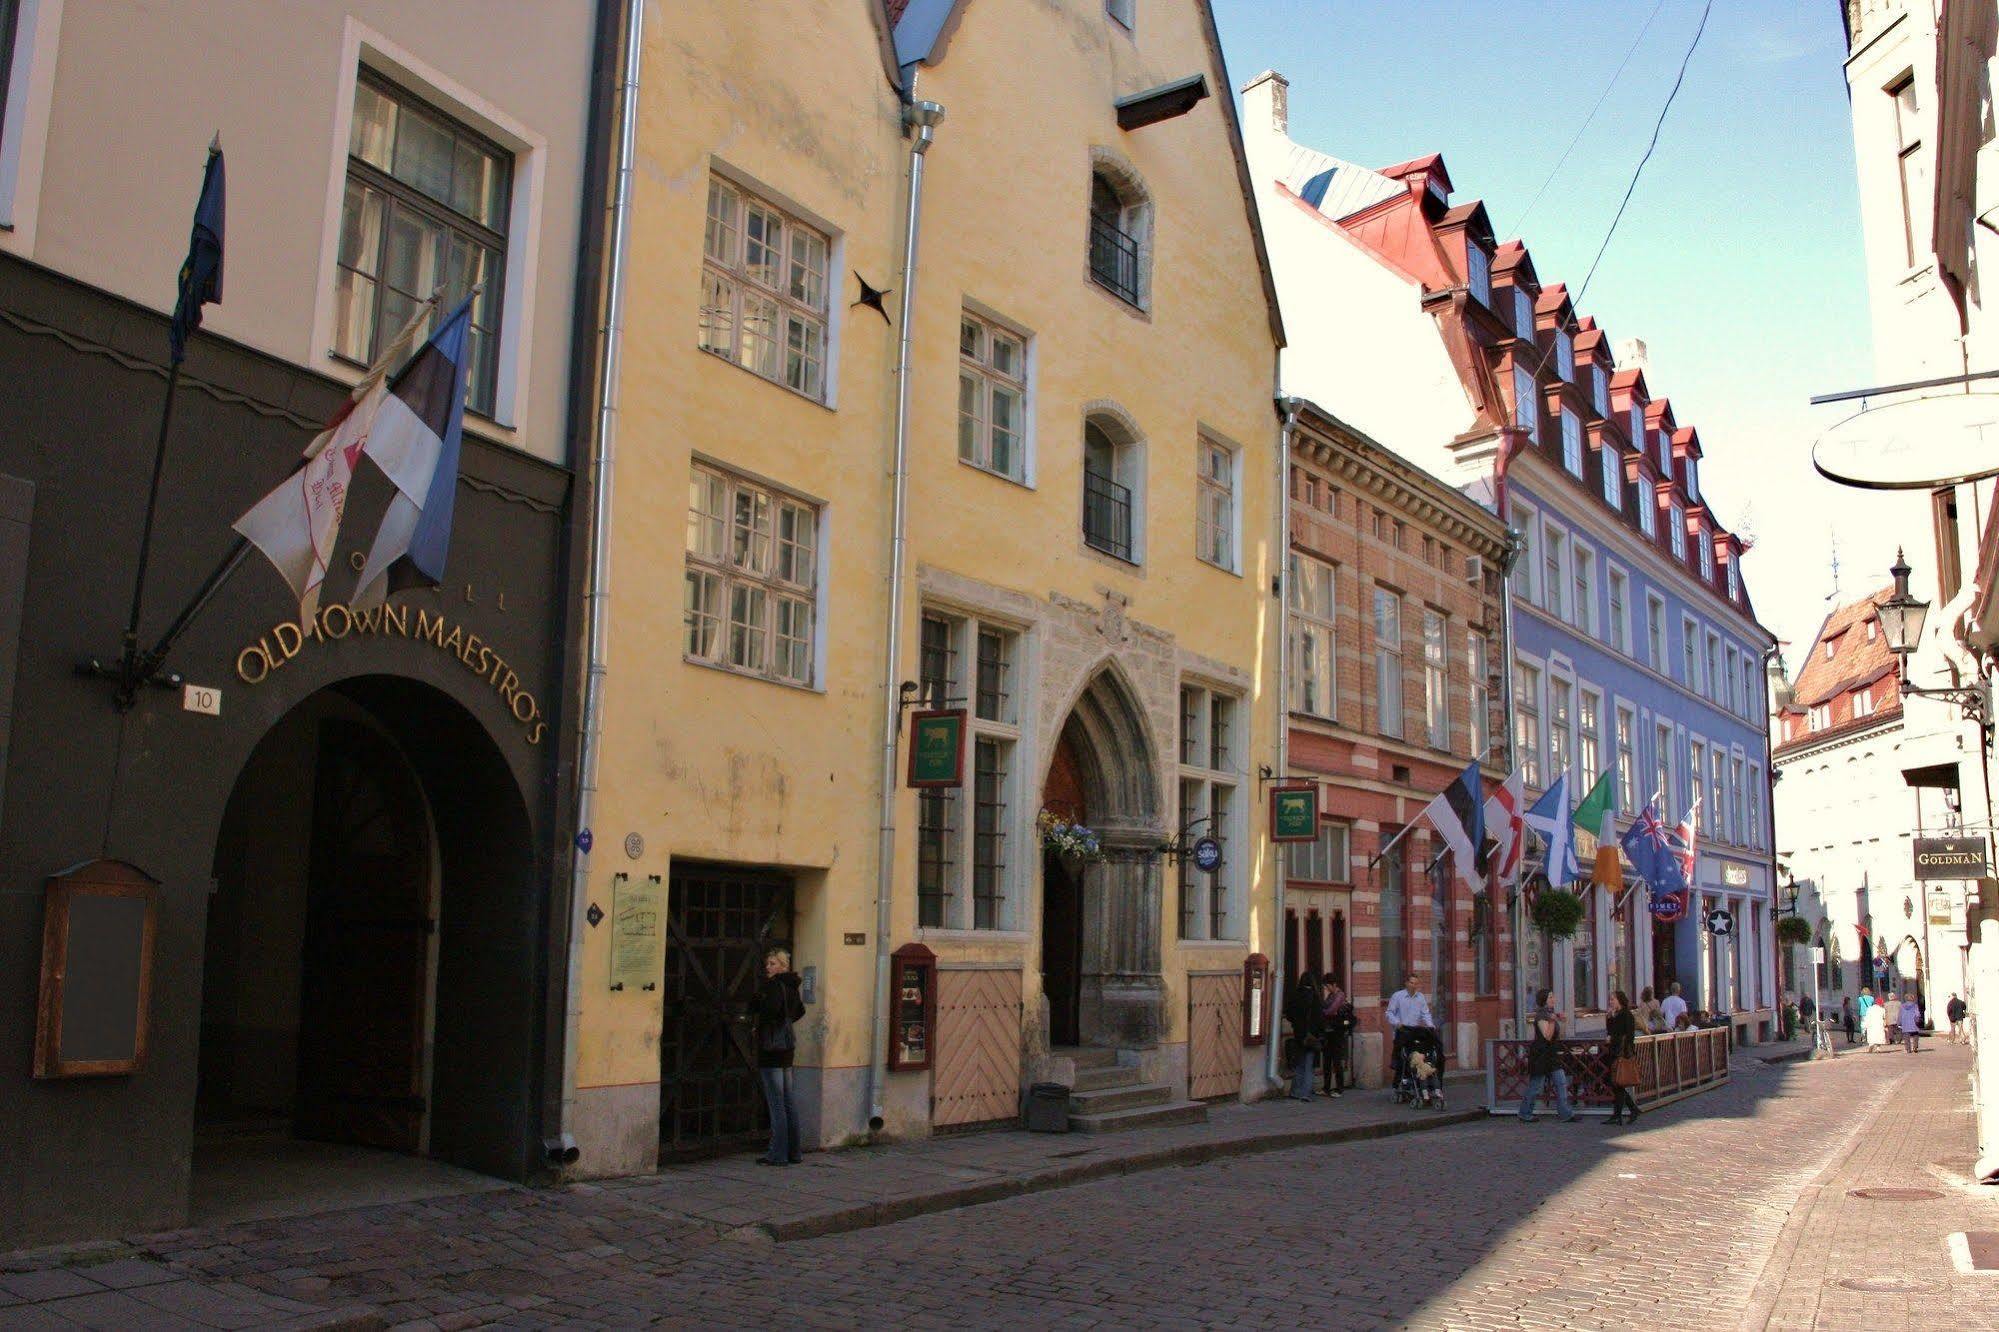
<point x="1653" y="852"/>
<point x="201" y="271"/>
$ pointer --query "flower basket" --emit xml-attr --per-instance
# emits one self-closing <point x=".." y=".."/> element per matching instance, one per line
<point x="1557" y="912"/>
<point x="1070" y="840"/>
<point x="1794" y="930"/>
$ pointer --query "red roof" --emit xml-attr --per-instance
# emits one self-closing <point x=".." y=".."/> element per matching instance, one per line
<point x="1398" y="231"/>
<point x="1428" y="165"/>
<point x="1858" y="664"/>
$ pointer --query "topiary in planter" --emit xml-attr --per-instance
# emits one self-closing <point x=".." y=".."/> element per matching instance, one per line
<point x="1794" y="930"/>
<point x="1557" y="912"/>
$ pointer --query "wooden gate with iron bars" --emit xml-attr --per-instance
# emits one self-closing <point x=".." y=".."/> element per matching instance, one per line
<point x="1214" y="1035"/>
<point x="977" y="1076"/>
<point x="720" y="920"/>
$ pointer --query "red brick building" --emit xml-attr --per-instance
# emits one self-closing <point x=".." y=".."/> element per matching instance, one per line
<point x="1394" y="634"/>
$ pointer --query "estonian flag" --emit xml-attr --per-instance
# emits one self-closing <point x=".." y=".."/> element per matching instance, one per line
<point x="415" y="443"/>
<point x="201" y="272"/>
<point x="1458" y="815"/>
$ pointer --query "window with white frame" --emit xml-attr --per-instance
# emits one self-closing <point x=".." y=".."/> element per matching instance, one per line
<point x="1691" y="470"/>
<point x="764" y="283"/>
<point x="1554" y="587"/>
<point x="1613" y="475"/>
<point x="1572" y="442"/>
<point x="1526" y="402"/>
<point x="1478" y="664"/>
<point x="1388" y="662"/>
<point x="1638" y="425"/>
<point x="1436" y="679"/>
<point x="1589" y="737"/>
<point x="1527" y="723"/>
<point x="1662" y="766"/>
<point x="1728" y="697"/>
<point x="1600" y="388"/>
<point x="1717" y="799"/>
<point x="1314" y="615"/>
<point x="1523" y="313"/>
<point x="1565" y="356"/>
<point x="1211" y="767"/>
<point x="1735" y="582"/>
<point x="1620" y="621"/>
<point x="1113" y="472"/>
<point x="964" y="842"/>
<point x="752" y="577"/>
<point x="1627" y="760"/>
<point x="1690" y="663"/>
<point x="1478" y="272"/>
<point x="1818" y="717"/>
<point x="1707" y="556"/>
<point x="425" y="207"/>
<point x="1863" y="704"/>
<point x="1561" y="726"/>
<point x="992" y="397"/>
<point x="1677" y="531"/>
<point x="1525" y="567"/>
<point x="1738" y="829"/>
<point x="1323" y="861"/>
<point x="1655" y="632"/>
<point x="1713" y="680"/>
<point x="1754" y="834"/>
<point x="1584" y="561"/>
<point x="1697" y="773"/>
<point x="1648" y="508"/>
<point x="1909" y="168"/>
<point x="1665" y="453"/>
<point x="1214" y="517"/>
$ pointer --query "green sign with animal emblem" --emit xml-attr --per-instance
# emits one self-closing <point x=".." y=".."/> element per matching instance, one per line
<point x="937" y="748"/>
<point x="1294" y="813"/>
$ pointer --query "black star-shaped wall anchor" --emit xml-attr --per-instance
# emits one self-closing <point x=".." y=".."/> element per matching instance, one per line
<point x="873" y="298"/>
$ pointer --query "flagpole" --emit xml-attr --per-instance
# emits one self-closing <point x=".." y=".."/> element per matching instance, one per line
<point x="128" y="657"/>
<point x="156" y="656"/>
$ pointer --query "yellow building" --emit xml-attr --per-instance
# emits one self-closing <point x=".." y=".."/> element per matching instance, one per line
<point x="1085" y="567"/>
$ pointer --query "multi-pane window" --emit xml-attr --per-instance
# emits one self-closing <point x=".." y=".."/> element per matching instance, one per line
<point x="1754" y="836"/>
<point x="1114" y="243"/>
<point x="1323" y="861"/>
<point x="1478" y="272"/>
<point x="1620" y="626"/>
<point x="1523" y="313"/>
<point x="1527" y="723"/>
<point x="764" y="290"/>
<point x="1524" y="566"/>
<point x="1312" y="636"/>
<point x="1526" y="402"/>
<point x="1863" y="705"/>
<point x="1728" y="698"/>
<point x="1707" y="555"/>
<point x="1692" y="470"/>
<point x="1714" y="668"/>
<point x="1109" y="468"/>
<point x="1211" y="774"/>
<point x="1627" y="761"/>
<point x="425" y="208"/>
<point x="1818" y="717"/>
<point x="1214" y="513"/>
<point x="1572" y="441"/>
<point x="1392" y="875"/>
<point x="1561" y="721"/>
<point x="1662" y="767"/>
<point x="1589" y="738"/>
<point x="992" y="397"/>
<point x="1909" y="168"/>
<point x="1436" y="675"/>
<point x="752" y="577"/>
<point x="1585" y="576"/>
<point x="1717" y="801"/>
<point x="1600" y="389"/>
<point x="1387" y="662"/>
<point x="1697" y="773"/>
<point x="965" y="838"/>
<point x="1552" y="587"/>
<point x="1478" y="661"/>
<point x="1565" y="355"/>
<point x="1655" y="632"/>
<point x="1648" y="512"/>
<point x="1665" y="439"/>
<point x="1739" y="830"/>
<point x="1638" y="425"/>
<point x="1734" y="582"/>
<point x="1613" y="476"/>
<point x="1677" y="531"/>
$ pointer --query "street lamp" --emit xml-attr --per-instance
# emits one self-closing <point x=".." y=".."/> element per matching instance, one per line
<point x="1902" y="617"/>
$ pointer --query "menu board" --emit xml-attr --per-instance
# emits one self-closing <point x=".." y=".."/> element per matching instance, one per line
<point x="638" y="922"/>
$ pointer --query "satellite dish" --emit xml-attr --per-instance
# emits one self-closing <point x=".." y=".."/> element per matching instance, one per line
<point x="1914" y="444"/>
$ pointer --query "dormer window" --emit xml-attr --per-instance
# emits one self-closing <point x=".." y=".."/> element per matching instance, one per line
<point x="1565" y="355"/>
<point x="1707" y="556"/>
<point x="1613" y="478"/>
<point x="1638" y="426"/>
<point x="1478" y="272"/>
<point x="1731" y="588"/>
<point x="1665" y="453"/>
<point x="1526" y="407"/>
<point x="1572" y="442"/>
<point x="1678" y="534"/>
<point x="1523" y="313"/>
<point x="1692" y="473"/>
<point x="1648" y="515"/>
<point x="1830" y="648"/>
<point x="1735" y="594"/>
<point x="1600" y="381"/>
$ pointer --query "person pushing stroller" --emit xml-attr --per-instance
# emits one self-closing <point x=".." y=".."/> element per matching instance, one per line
<point x="1413" y="1032"/>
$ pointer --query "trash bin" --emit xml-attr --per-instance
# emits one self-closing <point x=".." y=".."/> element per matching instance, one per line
<point x="1047" y="1108"/>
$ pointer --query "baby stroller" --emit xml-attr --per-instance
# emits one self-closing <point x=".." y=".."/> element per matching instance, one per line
<point x="1419" y="1067"/>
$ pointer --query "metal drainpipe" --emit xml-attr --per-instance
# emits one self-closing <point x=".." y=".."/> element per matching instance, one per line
<point x="596" y="599"/>
<point x="922" y="119"/>
<point x="1508" y="435"/>
<point x="1279" y="930"/>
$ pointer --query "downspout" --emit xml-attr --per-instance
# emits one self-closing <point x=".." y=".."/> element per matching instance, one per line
<point x="1280" y="930"/>
<point x="563" y="1150"/>
<point x="1508" y="437"/>
<point x="920" y="120"/>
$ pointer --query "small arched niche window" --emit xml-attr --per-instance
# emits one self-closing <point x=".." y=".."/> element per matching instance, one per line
<point x="1113" y="489"/>
<point x="1120" y="232"/>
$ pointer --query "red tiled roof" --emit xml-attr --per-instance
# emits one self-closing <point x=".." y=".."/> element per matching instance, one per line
<point x="1855" y="660"/>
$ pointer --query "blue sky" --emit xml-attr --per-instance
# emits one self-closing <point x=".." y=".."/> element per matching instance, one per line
<point x="1739" y="258"/>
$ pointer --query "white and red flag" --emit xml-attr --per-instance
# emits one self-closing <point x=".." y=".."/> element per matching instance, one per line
<point x="1506" y="830"/>
<point x="297" y="524"/>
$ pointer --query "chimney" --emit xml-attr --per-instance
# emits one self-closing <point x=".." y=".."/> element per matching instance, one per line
<point x="1266" y="104"/>
<point x="1631" y="355"/>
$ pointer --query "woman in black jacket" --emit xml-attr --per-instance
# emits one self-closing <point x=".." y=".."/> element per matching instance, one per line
<point x="777" y="1006"/>
<point x="1306" y="1008"/>
<point x="1622" y="1030"/>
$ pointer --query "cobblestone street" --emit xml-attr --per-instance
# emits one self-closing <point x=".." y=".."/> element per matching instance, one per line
<point x="1729" y="1209"/>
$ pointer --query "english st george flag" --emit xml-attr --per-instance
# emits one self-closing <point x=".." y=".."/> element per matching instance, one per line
<point x="1504" y="823"/>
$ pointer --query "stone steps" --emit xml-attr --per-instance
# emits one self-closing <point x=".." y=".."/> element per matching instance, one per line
<point x="1129" y="1097"/>
<point x="1145" y="1116"/>
<point x="1106" y="1096"/>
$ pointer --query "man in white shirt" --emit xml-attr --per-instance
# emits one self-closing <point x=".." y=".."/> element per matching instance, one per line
<point x="1407" y="1010"/>
<point x="1673" y="1009"/>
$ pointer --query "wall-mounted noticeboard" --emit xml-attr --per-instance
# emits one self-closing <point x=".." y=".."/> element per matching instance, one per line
<point x="638" y="932"/>
<point x="98" y="921"/>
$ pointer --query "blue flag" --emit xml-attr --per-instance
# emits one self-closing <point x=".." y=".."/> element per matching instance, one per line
<point x="1553" y="819"/>
<point x="1458" y="815"/>
<point x="1649" y="847"/>
<point x="201" y="271"/>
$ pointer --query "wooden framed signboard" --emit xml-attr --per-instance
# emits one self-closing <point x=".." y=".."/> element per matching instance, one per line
<point x="937" y="748"/>
<point x="1294" y="812"/>
<point x="98" y="921"/>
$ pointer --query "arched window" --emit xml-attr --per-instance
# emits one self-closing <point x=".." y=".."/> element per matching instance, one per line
<point x="1113" y="488"/>
<point x="1120" y="250"/>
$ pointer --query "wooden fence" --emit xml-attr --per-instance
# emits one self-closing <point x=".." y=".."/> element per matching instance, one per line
<point x="1670" y="1066"/>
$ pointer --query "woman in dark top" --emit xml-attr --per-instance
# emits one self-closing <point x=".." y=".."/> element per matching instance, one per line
<point x="777" y="1006"/>
<point x="1306" y="1009"/>
<point x="1622" y="1030"/>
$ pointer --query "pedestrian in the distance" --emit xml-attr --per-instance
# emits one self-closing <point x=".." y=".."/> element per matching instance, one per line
<point x="1846" y="1018"/>
<point x="1954" y="1010"/>
<point x="1338" y="1054"/>
<point x="779" y="1005"/>
<point x="1674" y="1008"/>
<point x="1621" y="1029"/>
<point x="1912" y="1024"/>
<point x="1307" y="1012"/>
<point x="1544" y="1063"/>
<point x="1873" y="1023"/>
<point x="1650" y="1019"/>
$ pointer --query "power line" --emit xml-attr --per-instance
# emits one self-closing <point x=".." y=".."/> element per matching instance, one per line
<point x="1553" y="171"/>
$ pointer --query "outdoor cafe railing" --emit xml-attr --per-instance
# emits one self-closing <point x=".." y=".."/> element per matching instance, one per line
<point x="1670" y="1066"/>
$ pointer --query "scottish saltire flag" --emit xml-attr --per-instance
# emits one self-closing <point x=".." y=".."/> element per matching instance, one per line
<point x="415" y="443"/>
<point x="201" y="271"/>
<point x="1505" y="825"/>
<point x="297" y="525"/>
<point x="1550" y="816"/>
<point x="1648" y="845"/>
<point x="1458" y="816"/>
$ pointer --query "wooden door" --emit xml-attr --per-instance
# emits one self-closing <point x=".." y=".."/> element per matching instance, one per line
<point x="720" y="920"/>
<point x="1062" y="949"/>
<point x="1214" y="1035"/>
<point x="977" y="1075"/>
<point x="364" y="981"/>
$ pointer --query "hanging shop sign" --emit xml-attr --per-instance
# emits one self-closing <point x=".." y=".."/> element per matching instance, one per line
<point x="274" y="650"/>
<point x="1294" y="812"/>
<point x="1721" y="921"/>
<point x="1940" y="906"/>
<point x="1667" y="906"/>
<point x="1950" y="857"/>
<point x="937" y="748"/>
<point x="1207" y="855"/>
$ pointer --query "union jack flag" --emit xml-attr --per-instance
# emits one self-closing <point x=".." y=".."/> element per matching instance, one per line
<point x="1682" y="842"/>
